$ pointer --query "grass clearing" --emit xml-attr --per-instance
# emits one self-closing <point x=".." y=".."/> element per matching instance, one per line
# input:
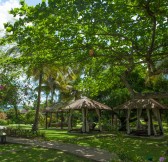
<point x="23" y="153"/>
<point x="128" y="148"/>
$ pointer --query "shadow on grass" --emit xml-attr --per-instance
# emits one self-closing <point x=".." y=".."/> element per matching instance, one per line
<point x="23" y="153"/>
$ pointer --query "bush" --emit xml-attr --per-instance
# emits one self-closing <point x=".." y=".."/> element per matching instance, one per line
<point x="12" y="116"/>
<point x="3" y="122"/>
<point x="27" y="133"/>
<point x="3" y="115"/>
<point x="30" y="115"/>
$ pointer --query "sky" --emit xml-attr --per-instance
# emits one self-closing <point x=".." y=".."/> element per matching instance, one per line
<point x="6" y="5"/>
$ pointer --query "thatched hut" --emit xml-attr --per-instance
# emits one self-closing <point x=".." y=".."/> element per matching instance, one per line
<point x="85" y="105"/>
<point x="56" y="110"/>
<point x="151" y="106"/>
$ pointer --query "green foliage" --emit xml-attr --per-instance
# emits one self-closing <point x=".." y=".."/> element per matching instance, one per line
<point x="108" y="39"/>
<point x="3" y="122"/>
<point x="9" y="90"/>
<point x="30" y="115"/>
<point x="25" y="133"/>
<point x="11" y="116"/>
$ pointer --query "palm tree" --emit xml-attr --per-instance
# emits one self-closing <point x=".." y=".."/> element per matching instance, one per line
<point x="54" y="78"/>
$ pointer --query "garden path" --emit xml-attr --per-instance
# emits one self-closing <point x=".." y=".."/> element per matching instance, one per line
<point x="87" y="152"/>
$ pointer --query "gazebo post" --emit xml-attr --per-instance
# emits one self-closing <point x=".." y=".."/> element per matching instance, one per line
<point x="83" y="120"/>
<point x="61" y="119"/>
<point x="149" y="121"/>
<point x="57" y="116"/>
<point x="112" y="118"/>
<point x="50" y="119"/>
<point x="160" y="122"/>
<point x="139" y="112"/>
<point x="157" y="114"/>
<point x="85" y="127"/>
<point x="70" y="121"/>
<point x="99" y="118"/>
<point x="46" y="120"/>
<point x="127" y="121"/>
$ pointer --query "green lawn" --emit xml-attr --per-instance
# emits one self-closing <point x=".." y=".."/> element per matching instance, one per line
<point x="128" y="148"/>
<point x="24" y="153"/>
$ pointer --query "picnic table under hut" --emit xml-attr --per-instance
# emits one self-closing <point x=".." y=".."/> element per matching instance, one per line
<point x="86" y="106"/>
<point x="148" y="110"/>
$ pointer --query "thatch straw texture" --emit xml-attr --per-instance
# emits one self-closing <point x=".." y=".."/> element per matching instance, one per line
<point x="86" y="103"/>
<point x="141" y="103"/>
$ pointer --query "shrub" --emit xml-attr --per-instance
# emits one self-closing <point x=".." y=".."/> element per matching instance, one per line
<point x="30" y="115"/>
<point x="27" y="133"/>
<point x="3" y="122"/>
<point x="3" y="115"/>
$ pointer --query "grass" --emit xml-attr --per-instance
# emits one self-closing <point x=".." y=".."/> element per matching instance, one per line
<point x="23" y="153"/>
<point x="128" y="148"/>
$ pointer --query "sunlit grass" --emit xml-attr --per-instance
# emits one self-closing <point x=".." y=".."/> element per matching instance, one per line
<point x="131" y="148"/>
<point x="127" y="147"/>
<point x="23" y="153"/>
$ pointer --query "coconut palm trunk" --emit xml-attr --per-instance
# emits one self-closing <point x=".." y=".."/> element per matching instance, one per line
<point x="36" y="120"/>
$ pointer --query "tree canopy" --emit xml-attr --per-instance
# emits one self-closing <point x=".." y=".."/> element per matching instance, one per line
<point x="117" y="44"/>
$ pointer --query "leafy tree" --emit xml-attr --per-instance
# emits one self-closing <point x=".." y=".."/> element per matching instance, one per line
<point x="116" y="42"/>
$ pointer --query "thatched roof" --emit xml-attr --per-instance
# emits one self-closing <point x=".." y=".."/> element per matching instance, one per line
<point x="57" y="107"/>
<point x="142" y="103"/>
<point x="86" y="103"/>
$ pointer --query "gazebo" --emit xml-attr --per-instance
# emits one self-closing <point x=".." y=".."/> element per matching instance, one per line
<point x="85" y="105"/>
<point x="55" y="110"/>
<point x="151" y="106"/>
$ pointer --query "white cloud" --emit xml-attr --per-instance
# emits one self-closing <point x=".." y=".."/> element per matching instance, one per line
<point x="5" y="7"/>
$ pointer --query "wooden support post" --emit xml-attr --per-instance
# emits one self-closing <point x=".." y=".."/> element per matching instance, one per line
<point x="85" y="124"/>
<point x="112" y="119"/>
<point x="83" y="120"/>
<point x="127" y="121"/>
<point x="57" y="116"/>
<point x="139" y="112"/>
<point x="157" y="114"/>
<point x="99" y="118"/>
<point x="46" y="121"/>
<point x="149" y="121"/>
<point x="50" y="119"/>
<point x="70" y="121"/>
<point x="61" y="119"/>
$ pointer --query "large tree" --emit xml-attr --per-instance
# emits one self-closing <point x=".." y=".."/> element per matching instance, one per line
<point x="112" y="39"/>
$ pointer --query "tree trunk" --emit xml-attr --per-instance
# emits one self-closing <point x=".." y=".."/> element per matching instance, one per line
<point x="36" y="120"/>
<point x="46" y="100"/>
<point x="16" y="111"/>
<point x="128" y="86"/>
<point x="52" y="96"/>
